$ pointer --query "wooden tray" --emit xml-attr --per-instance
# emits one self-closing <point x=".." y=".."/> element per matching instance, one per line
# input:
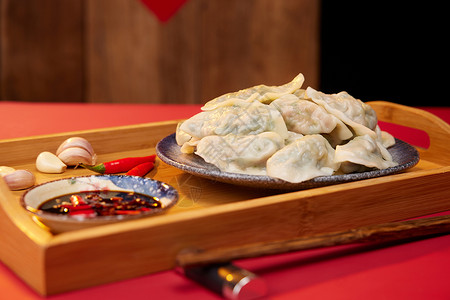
<point x="209" y="215"/>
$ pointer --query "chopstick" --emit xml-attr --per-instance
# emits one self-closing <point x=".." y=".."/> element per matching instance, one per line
<point x="385" y="232"/>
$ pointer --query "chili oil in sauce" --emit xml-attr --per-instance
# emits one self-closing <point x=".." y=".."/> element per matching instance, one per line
<point x="100" y="203"/>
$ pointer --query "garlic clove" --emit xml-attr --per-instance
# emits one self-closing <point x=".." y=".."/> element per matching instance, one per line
<point x="6" y="170"/>
<point x="74" y="156"/>
<point x="78" y="142"/>
<point x="19" y="180"/>
<point x="47" y="162"/>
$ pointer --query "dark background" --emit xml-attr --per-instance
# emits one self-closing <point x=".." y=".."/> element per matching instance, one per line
<point x="380" y="50"/>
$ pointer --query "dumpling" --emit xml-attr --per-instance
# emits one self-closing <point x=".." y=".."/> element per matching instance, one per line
<point x="385" y="138"/>
<point x="306" y="117"/>
<point x="287" y="132"/>
<point x="261" y="93"/>
<point x="363" y="151"/>
<point x="181" y="137"/>
<point x="240" y="154"/>
<point x="292" y="137"/>
<point x="238" y="117"/>
<point x="303" y="116"/>
<point x="300" y="93"/>
<point x="353" y="112"/>
<point x="304" y="159"/>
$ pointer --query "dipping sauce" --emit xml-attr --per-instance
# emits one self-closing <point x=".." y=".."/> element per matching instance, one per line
<point x="100" y="203"/>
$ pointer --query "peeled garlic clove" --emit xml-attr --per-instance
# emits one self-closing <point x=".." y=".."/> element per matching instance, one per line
<point x="74" y="156"/>
<point x="6" y="170"/>
<point x="47" y="162"/>
<point x="19" y="180"/>
<point x="78" y="142"/>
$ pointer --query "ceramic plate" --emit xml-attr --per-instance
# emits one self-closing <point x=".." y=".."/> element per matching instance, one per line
<point x="169" y="152"/>
<point x="33" y="198"/>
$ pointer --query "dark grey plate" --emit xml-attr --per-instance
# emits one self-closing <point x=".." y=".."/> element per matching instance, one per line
<point x="169" y="152"/>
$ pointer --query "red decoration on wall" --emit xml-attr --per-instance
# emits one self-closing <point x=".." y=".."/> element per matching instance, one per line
<point x="164" y="10"/>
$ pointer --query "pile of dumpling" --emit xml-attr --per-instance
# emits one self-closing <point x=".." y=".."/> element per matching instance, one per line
<point x="288" y="133"/>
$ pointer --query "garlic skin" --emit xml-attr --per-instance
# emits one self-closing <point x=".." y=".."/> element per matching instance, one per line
<point x="74" y="156"/>
<point x="6" y="170"/>
<point x="47" y="162"/>
<point x="19" y="180"/>
<point x="78" y="142"/>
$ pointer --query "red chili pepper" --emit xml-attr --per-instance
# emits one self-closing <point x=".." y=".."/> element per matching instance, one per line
<point x="127" y="212"/>
<point x="142" y="169"/>
<point x="77" y="207"/>
<point x="77" y="200"/>
<point x="120" y="165"/>
<point x="85" y="212"/>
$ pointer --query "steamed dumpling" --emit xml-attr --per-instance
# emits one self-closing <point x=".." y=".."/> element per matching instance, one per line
<point x="304" y="159"/>
<point x="287" y="132"/>
<point x="353" y="112"/>
<point x="261" y="93"/>
<point x="363" y="151"/>
<point x="240" y="154"/>
<point x="235" y="116"/>
<point x="385" y="138"/>
<point x="303" y="116"/>
<point x="181" y="137"/>
<point x="292" y="137"/>
<point x="306" y="117"/>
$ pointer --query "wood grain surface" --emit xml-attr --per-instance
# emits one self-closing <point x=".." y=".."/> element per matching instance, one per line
<point x="118" y="51"/>
<point x="379" y="233"/>
<point x="42" y="50"/>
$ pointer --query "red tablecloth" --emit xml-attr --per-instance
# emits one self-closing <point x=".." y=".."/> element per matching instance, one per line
<point x="417" y="270"/>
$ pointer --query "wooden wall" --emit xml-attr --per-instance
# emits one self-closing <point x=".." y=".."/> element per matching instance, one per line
<point x="41" y="50"/>
<point x="118" y="51"/>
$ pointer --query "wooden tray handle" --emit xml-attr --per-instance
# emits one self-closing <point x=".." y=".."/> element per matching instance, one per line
<point x="438" y="130"/>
